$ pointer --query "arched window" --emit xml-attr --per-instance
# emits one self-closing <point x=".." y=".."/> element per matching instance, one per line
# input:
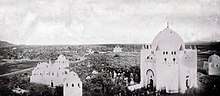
<point x="166" y="52"/>
<point x="66" y="84"/>
<point x="147" y="57"/>
<point x="172" y="52"/>
<point x="165" y="59"/>
<point x="66" y="72"/>
<point x="78" y="85"/>
<point x="175" y="53"/>
<point x="72" y="85"/>
<point x="174" y="59"/>
<point x="52" y="74"/>
<point x="163" y="52"/>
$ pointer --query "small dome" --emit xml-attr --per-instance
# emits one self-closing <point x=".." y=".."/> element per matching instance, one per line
<point x="168" y="40"/>
<point x="214" y="58"/>
<point x="117" y="46"/>
<point x="61" y="57"/>
<point x="72" y="77"/>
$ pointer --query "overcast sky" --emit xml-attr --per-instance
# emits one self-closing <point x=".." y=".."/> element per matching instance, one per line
<point x="41" y="22"/>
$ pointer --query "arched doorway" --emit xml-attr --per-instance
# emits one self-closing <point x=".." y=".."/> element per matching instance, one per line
<point x="188" y="81"/>
<point x="150" y="79"/>
<point x="51" y="84"/>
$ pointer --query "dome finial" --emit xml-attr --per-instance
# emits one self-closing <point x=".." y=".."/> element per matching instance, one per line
<point x="167" y="24"/>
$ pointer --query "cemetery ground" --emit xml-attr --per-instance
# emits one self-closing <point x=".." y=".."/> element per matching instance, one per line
<point x="103" y="83"/>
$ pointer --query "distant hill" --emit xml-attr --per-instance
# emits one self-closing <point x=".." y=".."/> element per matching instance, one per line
<point x="203" y="43"/>
<point x="5" y="44"/>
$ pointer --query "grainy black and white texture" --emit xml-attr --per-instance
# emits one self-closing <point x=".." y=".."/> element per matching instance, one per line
<point x="86" y="33"/>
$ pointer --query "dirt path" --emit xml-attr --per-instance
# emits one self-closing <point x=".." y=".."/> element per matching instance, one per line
<point x="20" y="71"/>
<point x="16" y="72"/>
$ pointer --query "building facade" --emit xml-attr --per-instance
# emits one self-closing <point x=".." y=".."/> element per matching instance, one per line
<point x="51" y="74"/>
<point x="72" y="85"/>
<point x="117" y="49"/>
<point x="212" y="66"/>
<point x="167" y="65"/>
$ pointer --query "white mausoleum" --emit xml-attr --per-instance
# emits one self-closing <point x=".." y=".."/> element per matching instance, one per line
<point x="167" y="65"/>
<point x="117" y="49"/>
<point x="51" y="74"/>
<point x="54" y="74"/>
<point x="212" y="66"/>
<point x="72" y="85"/>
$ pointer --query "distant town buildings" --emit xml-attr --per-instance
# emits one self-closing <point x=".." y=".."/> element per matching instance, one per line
<point x="212" y="66"/>
<point x="55" y="74"/>
<point x="117" y="49"/>
<point x="167" y="65"/>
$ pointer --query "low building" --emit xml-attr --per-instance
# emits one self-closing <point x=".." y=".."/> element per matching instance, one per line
<point x="117" y="49"/>
<point x="212" y="66"/>
<point x="50" y="73"/>
<point x="55" y="74"/>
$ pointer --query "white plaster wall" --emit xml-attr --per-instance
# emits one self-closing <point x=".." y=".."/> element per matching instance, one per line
<point x="46" y="70"/>
<point x="170" y="74"/>
<point x="72" y="91"/>
<point x="214" y="70"/>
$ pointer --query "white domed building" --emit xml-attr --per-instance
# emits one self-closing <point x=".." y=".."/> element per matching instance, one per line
<point x="212" y="66"/>
<point x="62" y="62"/>
<point x="117" y="49"/>
<point x="167" y="65"/>
<point x="51" y="74"/>
<point x="72" y="85"/>
<point x="38" y="74"/>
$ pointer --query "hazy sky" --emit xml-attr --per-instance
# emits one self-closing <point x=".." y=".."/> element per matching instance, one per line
<point x="106" y="21"/>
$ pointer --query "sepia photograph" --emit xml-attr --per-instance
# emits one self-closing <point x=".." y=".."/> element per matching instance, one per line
<point x="109" y="47"/>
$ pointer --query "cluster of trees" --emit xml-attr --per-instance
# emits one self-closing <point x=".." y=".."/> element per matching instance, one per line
<point x="34" y="52"/>
<point x="10" y="53"/>
<point x="8" y="83"/>
<point x="103" y="84"/>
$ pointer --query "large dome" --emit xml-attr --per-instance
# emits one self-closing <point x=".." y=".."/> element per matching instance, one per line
<point x="167" y="39"/>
